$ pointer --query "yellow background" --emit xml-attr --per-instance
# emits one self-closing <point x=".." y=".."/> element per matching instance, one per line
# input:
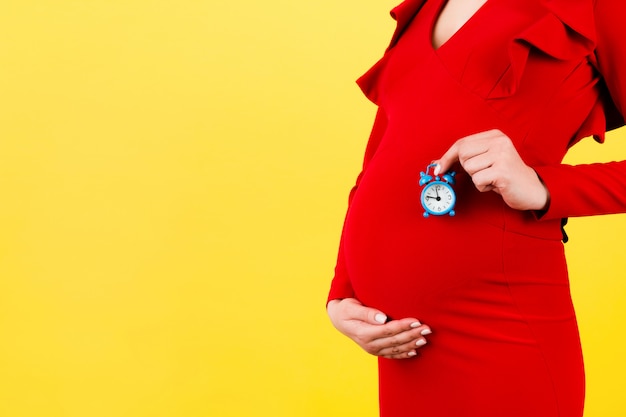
<point x="173" y="178"/>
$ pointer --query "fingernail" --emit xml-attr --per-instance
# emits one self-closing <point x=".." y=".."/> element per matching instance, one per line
<point x="412" y="353"/>
<point x="425" y="332"/>
<point x="380" y="318"/>
<point x="416" y="324"/>
<point x="437" y="169"/>
<point x="421" y="342"/>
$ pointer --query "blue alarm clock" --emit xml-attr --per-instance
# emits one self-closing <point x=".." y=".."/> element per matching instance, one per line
<point x="438" y="197"/>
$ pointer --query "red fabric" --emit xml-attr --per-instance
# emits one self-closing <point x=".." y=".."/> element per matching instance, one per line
<point x="491" y="281"/>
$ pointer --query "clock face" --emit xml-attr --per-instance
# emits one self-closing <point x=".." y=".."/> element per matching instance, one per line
<point x="438" y="198"/>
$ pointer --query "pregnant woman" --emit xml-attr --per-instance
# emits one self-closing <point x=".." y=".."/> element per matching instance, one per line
<point x="461" y="289"/>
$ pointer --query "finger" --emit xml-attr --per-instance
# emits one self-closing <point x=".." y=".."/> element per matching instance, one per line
<point x="477" y="162"/>
<point x="409" y="355"/>
<point x="491" y="179"/>
<point x="412" y="344"/>
<point x="393" y="336"/>
<point x="401" y="356"/>
<point x="463" y="149"/>
<point x="444" y="163"/>
<point x="405" y="351"/>
<point x="405" y="340"/>
<point x="484" y="180"/>
<point x="367" y="314"/>
<point x="404" y="327"/>
<point x="394" y="333"/>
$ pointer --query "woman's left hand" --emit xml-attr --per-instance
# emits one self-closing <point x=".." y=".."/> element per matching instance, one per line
<point x="494" y="164"/>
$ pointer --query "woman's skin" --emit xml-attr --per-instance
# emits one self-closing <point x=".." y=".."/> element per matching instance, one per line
<point x="453" y="15"/>
<point x="494" y="165"/>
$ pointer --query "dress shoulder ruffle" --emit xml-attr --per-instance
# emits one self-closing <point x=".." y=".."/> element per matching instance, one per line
<point x="563" y="29"/>
<point x="402" y="14"/>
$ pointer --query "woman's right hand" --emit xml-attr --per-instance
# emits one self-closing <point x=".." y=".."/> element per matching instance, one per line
<point x="368" y="327"/>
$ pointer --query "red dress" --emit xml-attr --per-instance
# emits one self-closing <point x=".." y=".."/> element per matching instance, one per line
<point x="491" y="281"/>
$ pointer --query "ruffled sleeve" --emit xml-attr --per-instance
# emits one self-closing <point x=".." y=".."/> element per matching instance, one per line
<point x="599" y="188"/>
<point x="402" y="14"/>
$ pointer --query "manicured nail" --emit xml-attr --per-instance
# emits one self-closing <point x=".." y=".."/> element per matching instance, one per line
<point x="412" y="353"/>
<point x="380" y="318"/>
<point x="415" y="324"/>
<point x="425" y="332"/>
<point x="421" y="342"/>
<point x="437" y="169"/>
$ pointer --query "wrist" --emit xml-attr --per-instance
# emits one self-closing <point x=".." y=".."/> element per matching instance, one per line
<point x="543" y="196"/>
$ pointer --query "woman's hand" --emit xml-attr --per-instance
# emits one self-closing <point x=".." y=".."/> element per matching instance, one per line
<point x="495" y="165"/>
<point x="368" y="327"/>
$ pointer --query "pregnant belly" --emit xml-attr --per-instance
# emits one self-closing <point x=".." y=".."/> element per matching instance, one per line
<point x="404" y="263"/>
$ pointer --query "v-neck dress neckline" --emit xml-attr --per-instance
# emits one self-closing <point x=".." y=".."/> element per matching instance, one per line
<point x="466" y="26"/>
